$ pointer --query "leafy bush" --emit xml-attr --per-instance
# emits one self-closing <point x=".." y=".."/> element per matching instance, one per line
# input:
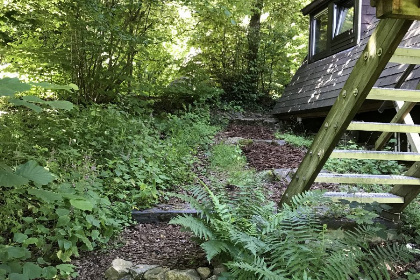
<point x="257" y="242"/>
<point x="105" y="160"/>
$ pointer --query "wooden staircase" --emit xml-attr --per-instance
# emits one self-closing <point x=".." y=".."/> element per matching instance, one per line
<point x="381" y="49"/>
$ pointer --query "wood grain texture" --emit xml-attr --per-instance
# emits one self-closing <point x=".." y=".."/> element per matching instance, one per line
<point x="376" y="55"/>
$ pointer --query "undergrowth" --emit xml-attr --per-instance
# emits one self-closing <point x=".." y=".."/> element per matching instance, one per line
<point x="100" y="162"/>
<point x="256" y="241"/>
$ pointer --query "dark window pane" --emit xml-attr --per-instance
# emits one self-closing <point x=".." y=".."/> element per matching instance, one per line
<point x="320" y="25"/>
<point x="344" y="19"/>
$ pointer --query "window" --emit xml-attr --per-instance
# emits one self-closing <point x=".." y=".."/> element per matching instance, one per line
<point x="320" y="23"/>
<point x="334" y="27"/>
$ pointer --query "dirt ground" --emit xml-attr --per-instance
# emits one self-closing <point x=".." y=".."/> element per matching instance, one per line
<point x="167" y="245"/>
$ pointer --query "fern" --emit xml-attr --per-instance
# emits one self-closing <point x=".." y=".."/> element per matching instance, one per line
<point x="257" y="242"/>
<point x="215" y="247"/>
<point x="198" y="227"/>
<point x="258" y="269"/>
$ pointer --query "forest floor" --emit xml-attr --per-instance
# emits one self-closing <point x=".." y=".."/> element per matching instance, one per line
<point x="167" y="245"/>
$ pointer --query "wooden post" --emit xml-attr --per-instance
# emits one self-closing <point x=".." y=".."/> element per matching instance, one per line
<point x="367" y="70"/>
<point x="408" y="192"/>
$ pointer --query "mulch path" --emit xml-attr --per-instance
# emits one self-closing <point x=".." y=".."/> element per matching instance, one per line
<point x="159" y="244"/>
<point x="265" y="156"/>
<point x="248" y="132"/>
<point x="167" y="245"/>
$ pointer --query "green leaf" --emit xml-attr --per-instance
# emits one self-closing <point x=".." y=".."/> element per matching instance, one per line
<point x="66" y="268"/>
<point x="18" y="276"/>
<point x="29" y="241"/>
<point x="81" y="204"/>
<point x="10" y="179"/>
<point x="91" y="220"/>
<point x="9" y="86"/>
<point x="63" y="220"/>
<point x="67" y="244"/>
<point x="33" y="271"/>
<point x="32" y="171"/>
<point x="16" y="252"/>
<point x="49" y="272"/>
<point x="20" y="102"/>
<point x="59" y="104"/>
<point x="31" y="98"/>
<point x="46" y="196"/>
<point x="62" y="212"/>
<point x="19" y="237"/>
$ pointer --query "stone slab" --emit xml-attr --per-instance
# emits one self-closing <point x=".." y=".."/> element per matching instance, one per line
<point x="161" y="213"/>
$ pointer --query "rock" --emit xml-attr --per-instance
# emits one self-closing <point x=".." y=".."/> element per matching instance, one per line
<point x="157" y="273"/>
<point x="204" y="272"/>
<point x="214" y="277"/>
<point x="233" y="140"/>
<point x="189" y="274"/>
<point x="219" y="269"/>
<point x="139" y="270"/>
<point x="118" y="270"/>
<point x="127" y="277"/>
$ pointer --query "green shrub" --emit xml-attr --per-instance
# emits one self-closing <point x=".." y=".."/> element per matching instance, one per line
<point x="105" y="160"/>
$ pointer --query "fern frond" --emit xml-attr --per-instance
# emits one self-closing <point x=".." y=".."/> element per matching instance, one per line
<point x="198" y="227"/>
<point x="214" y="248"/>
<point x="310" y="198"/>
<point x="258" y="269"/>
<point x="252" y="244"/>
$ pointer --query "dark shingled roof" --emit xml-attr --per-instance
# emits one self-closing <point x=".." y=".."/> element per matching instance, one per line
<point x="315" y="86"/>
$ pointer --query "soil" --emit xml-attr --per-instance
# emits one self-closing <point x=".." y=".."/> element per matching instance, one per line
<point x="167" y="245"/>
<point x="159" y="244"/>
<point x="266" y="156"/>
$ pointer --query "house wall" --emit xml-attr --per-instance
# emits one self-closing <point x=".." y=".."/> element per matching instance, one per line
<point x="315" y="86"/>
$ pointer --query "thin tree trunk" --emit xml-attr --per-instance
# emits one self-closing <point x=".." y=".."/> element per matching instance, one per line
<point x="254" y="39"/>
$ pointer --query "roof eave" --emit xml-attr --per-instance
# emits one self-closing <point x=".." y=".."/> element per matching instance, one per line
<point x="314" y="6"/>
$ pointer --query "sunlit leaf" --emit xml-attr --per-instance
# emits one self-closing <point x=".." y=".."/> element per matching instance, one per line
<point x="32" y="171"/>
<point x="81" y="204"/>
<point x="59" y="104"/>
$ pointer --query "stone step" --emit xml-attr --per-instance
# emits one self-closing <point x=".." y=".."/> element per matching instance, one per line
<point x="161" y="213"/>
<point x="240" y="140"/>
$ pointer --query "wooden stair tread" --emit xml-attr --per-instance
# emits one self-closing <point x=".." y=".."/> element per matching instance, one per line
<point x="378" y="155"/>
<point x="393" y="94"/>
<point x="365" y="197"/>
<point x="406" y="56"/>
<point x="384" y="127"/>
<point x="367" y="179"/>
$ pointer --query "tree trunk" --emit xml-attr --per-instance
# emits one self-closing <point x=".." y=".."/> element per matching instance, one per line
<point x="254" y="39"/>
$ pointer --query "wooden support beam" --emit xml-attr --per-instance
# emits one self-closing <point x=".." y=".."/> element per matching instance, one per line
<point x="400" y="9"/>
<point x="399" y="117"/>
<point x="408" y="192"/>
<point x="364" y="197"/>
<point x="402" y="116"/>
<point x="382" y="44"/>
<point x="410" y="95"/>
<point x="378" y="155"/>
<point x="384" y="127"/>
<point x="368" y="179"/>
<point x="406" y="56"/>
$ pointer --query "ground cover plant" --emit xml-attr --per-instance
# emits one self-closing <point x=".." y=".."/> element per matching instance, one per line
<point x="239" y="226"/>
<point x="70" y="179"/>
